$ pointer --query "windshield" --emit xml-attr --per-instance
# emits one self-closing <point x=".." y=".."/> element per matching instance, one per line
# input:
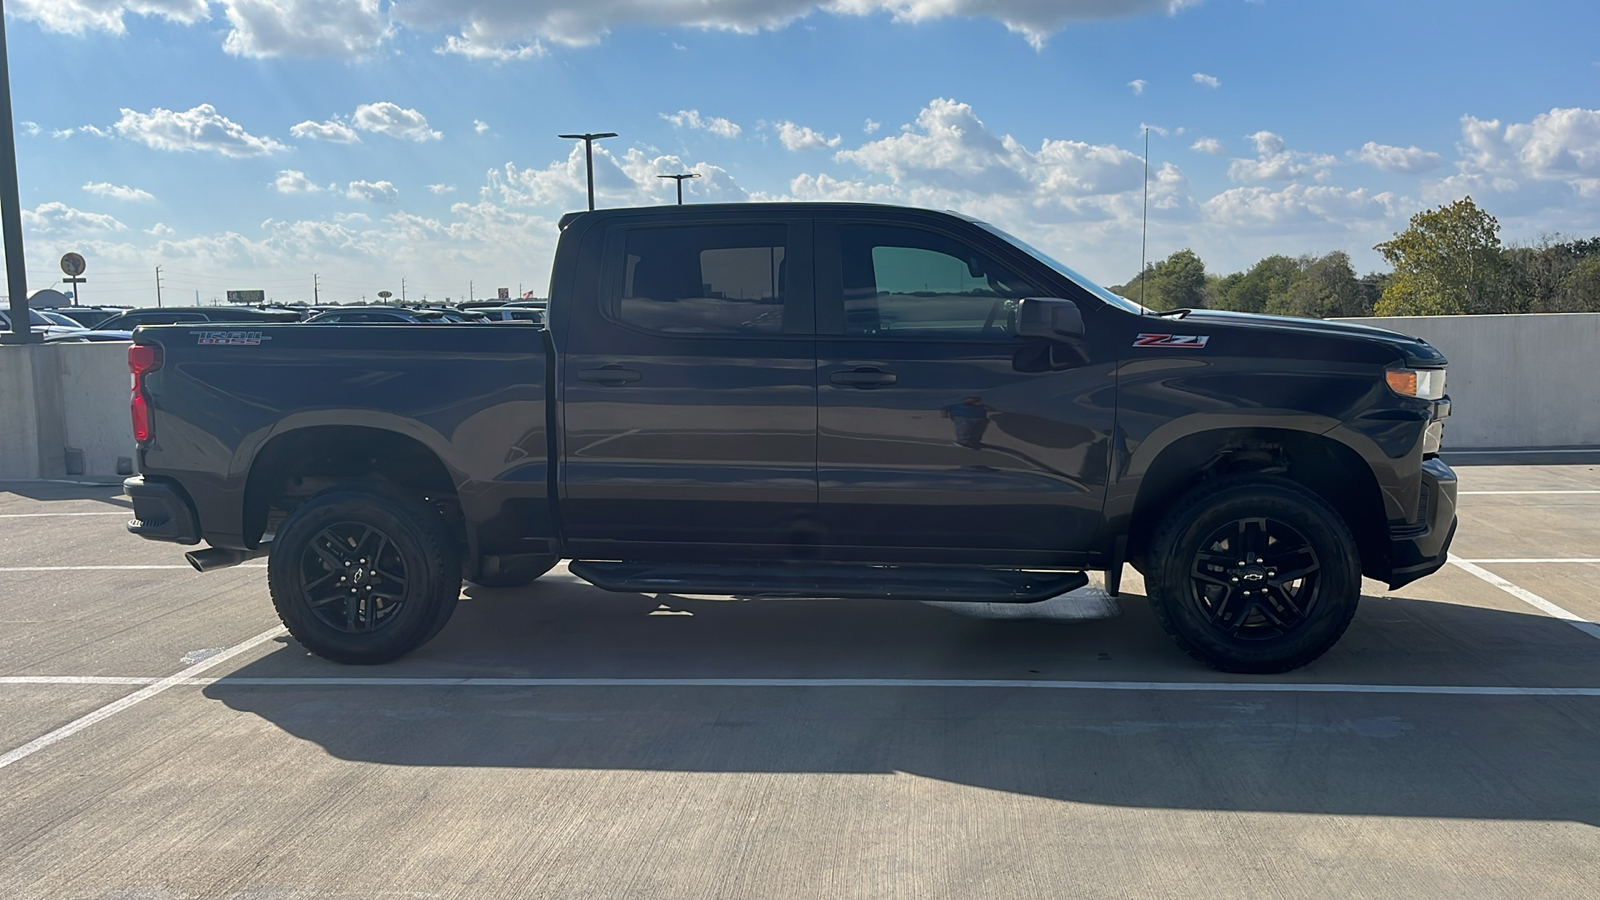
<point x="1122" y="303"/>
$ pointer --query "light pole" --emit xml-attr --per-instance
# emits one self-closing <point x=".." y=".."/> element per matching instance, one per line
<point x="11" y="209"/>
<point x="588" y="155"/>
<point x="679" y="179"/>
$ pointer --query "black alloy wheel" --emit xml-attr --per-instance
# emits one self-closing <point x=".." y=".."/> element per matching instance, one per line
<point x="353" y="577"/>
<point x="364" y="574"/>
<point x="1253" y="573"/>
<point x="1255" y="579"/>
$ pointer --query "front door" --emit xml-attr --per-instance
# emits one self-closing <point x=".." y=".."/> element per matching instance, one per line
<point x="942" y="435"/>
<point x="690" y="393"/>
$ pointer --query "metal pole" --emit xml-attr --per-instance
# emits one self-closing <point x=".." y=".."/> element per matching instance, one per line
<point x="588" y="139"/>
<point x="11" y="209"/>
<point x="158" y="287"/>
<point x="679" y="179"/>
<point x="588" y="165"/>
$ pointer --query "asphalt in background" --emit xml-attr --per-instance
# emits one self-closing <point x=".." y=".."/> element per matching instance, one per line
<point x="662" y="788"/>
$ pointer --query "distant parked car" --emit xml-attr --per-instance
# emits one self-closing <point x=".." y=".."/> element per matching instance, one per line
<point x="513" y="314"/>
<point x="86" y="316"/>
<point x="87" y="337"/>
<point x="38" y="322"/>
<point x="385" y="315"/>
<point x="179" y="315"/>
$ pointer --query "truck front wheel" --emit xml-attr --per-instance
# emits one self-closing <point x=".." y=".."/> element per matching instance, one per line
<point x="1254" y="574"/>
<point x="364" y="578"/>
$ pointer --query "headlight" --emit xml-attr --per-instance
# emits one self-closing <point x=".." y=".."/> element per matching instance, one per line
<point x="1424" y="384"/>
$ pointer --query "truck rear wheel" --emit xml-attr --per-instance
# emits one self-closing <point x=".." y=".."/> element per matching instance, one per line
<point x="1254" y="574"/>
<point x="362" y="577"/>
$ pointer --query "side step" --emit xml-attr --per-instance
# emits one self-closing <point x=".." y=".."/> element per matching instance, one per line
<point x="831" y="581"/>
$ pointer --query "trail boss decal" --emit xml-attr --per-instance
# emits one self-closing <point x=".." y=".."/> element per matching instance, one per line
<point x="1171" y="340"/>
<point x="230" y="338"/>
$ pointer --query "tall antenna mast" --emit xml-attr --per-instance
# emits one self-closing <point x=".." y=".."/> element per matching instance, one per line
<point x="1144" y="230"/>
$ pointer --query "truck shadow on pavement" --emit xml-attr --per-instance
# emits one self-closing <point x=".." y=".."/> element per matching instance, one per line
<point x="1484" y="757"/>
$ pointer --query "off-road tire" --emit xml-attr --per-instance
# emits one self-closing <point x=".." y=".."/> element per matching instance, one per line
<point x="1187" y="571"/>
<point x="420" y="548"/>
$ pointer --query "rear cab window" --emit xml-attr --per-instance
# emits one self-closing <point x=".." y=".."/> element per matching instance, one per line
<point x="708" y="279"/>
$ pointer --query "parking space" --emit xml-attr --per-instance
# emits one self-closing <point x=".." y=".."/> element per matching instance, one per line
<point x="559" y="741"/>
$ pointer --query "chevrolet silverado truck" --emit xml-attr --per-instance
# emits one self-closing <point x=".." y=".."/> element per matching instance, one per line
<point x="805" y="401"/>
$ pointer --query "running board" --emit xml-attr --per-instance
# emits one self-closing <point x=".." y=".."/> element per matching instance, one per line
<point x="831" y="581"/>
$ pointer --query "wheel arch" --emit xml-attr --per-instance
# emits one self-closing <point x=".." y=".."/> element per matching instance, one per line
<point x="1334" y="471"/>
<point x="300" y="462"/>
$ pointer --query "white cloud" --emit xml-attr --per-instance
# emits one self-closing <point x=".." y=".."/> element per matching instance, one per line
<point x="58" y="218"/>
<point x="1275" y="162"/>
<point x="626" y="180"/>
<point x="334" y="130"/>
<point x="294" y="181"/>
<point x="394" y="120"/>
<point x="345" y="29"/>
<point x="117" y="191"/>
<point x="201" y="128"/>
<point x="1407" y="160"/>
<point x="1138" y="85"/>
<point x="161" y="230"/>
<point x="480" y="126"/>
<point x="80" y="16"/>
<point x="495" y="53"/>
<point x="1298" y="204"/>
<point x="1210" y="81"/>
<point x="801" y="137"/>
<point x="64" y="133"/>
<point x="31" y="129"/>
<point x="1207" y="145"/>
<point x="374" y="192"/>
<point x="502" y="30"/>
<point x="1532" y="165"/>
<point x="441" y="189"/>
<point x="691" y="118"/>
<point x="871" y="126"/>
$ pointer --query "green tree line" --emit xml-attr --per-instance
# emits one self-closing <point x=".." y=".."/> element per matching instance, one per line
<point x="1448" y="261"/>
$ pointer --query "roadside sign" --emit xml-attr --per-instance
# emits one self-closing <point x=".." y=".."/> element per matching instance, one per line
<point x="73" y="264"/>
<point x="384" y="295"/>
<point x="505" y="293"/>
<point x="247" y="296"/>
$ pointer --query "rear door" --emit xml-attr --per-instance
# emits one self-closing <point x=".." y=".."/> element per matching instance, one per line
<point x="942" y="435"/>
<point x="689" y="391"/>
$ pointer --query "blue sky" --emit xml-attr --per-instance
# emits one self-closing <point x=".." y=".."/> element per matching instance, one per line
<point x="252" y="143"/>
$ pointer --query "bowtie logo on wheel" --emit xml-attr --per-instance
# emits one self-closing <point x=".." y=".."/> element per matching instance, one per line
<point x="1171" y="340"/>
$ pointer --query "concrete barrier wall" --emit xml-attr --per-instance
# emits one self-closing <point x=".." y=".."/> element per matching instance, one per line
<point x="1530" y="381"/>
<point x="64" y="411"/>
<point x="1526" y="381"/>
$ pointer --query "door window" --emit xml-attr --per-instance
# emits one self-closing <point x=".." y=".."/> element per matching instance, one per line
<point x="704" y="279"/>
<point x="912" y="283"/>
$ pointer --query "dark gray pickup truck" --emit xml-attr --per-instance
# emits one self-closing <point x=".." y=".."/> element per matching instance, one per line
<point x="804" y="400"/>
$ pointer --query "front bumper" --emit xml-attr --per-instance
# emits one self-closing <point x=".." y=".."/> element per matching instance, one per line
<point x="162" y="511"/>
<point x="1417" y="551"/>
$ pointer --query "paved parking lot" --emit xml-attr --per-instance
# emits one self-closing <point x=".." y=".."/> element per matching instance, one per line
<point x="160" y="738"/>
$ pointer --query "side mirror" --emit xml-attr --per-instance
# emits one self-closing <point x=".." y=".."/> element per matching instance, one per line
<point x="1049" y="317"/>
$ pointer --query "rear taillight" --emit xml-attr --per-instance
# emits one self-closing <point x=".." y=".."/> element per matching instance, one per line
<point x="142" y="360"/>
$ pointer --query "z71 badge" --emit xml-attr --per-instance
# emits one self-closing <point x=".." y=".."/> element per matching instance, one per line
<point x="1171" y="340"/>
<point x="231" y="338"/>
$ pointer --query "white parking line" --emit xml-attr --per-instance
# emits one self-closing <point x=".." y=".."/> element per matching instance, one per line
<point x="1247" y="687"/>
<point x="1502" y="493"/>
<point x="1528" y="597"/>
<point x="133" y="699"/>
<point x="126" y="513"/>
<point x="114" y="568"/>
<point x="1568" y="559"/>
